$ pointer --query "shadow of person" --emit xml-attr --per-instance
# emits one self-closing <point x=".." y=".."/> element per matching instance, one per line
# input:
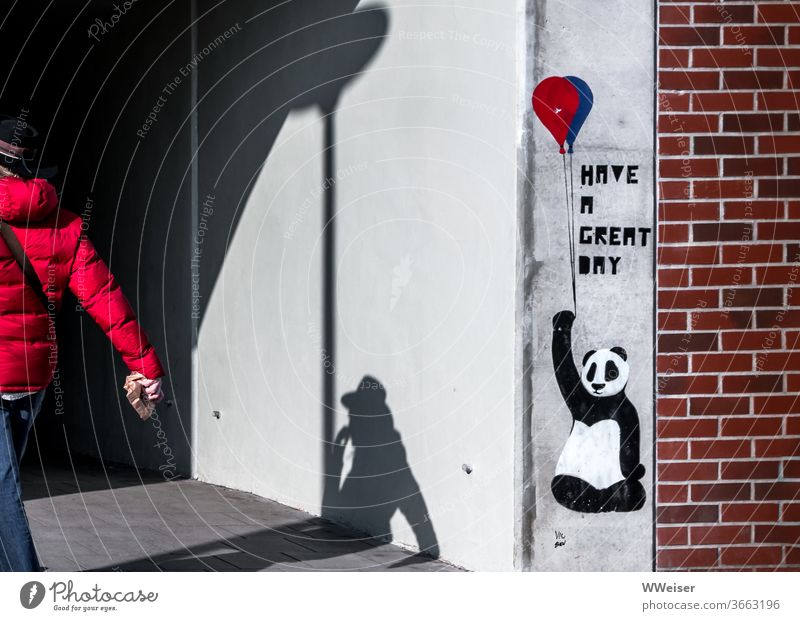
<point x="380" y="481"/>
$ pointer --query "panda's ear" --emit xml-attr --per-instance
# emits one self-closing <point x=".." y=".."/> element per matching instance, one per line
<point x="588" y="355"/>
<point x="620" y="352"/>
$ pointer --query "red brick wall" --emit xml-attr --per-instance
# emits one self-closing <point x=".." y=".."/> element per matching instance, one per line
<point x="728" y="409"/>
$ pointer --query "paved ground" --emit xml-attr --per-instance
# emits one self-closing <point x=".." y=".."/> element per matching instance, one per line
<point x="85" y="518"/>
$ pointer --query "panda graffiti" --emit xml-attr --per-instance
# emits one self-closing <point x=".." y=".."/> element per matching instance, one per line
<point x="598" y="470"/>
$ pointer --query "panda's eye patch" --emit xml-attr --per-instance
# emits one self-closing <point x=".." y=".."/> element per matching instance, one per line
<point x="612" y="372"/>
<point x="592" y="371"/>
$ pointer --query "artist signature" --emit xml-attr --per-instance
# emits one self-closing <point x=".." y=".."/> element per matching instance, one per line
<point x="561" y="539"/>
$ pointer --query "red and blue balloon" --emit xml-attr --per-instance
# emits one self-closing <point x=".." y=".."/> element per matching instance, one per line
<point x="562" y="105"/>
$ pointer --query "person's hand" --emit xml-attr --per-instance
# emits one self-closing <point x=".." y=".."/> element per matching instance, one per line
<point x="153" y="389"/>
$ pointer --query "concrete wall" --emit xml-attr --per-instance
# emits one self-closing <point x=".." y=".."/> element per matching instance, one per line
<point x="610" y="46"/>
<point x="420" y="146"/>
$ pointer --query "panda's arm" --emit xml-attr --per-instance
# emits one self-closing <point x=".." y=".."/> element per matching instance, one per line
<point x="569" y="380"/>
<point x="629" y="442"/>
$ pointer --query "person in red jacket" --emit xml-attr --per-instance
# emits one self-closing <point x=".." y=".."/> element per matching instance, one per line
<point x="63" y="258"/>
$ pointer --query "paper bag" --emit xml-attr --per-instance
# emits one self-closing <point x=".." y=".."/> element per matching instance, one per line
<point x="137" y="396"/>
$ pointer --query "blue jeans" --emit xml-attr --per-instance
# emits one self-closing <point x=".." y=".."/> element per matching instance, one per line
<point x="17" y="552"/>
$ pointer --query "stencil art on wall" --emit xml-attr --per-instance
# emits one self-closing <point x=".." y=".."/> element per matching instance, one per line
<point x="598" y="469"/>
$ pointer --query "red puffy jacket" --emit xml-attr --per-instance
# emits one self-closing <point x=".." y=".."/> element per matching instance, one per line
<point x="62" y="257"/>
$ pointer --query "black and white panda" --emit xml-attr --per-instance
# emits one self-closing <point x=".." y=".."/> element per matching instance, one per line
<point x="599" y="469"/>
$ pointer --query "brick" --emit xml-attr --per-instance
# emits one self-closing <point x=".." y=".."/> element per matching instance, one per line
<point x="674" y="14"/>
<point x="688" y="255"/>
<point x="748" y="79"/>
<point x="672" y="363"/>
<point x="727" y="145"/>
<point x="777" y="447"/>
<point x="791" y="512"/>
<point x="752" y="383"/>
<point x="688" y="298"/>
<point x="687" y="384"/>
<point x="687" y="124"/>
<point x="752" y="253"/>
<point x="792" y="340"/>
<point x="672" y="493"/>
<point x="778" y="361"/>
<point x="722" y="57"/>
<point x="793" y="166"/>
<point x="787" y="188"/>
<point x="719" y="535"/>
<point x="689" y="428"/>
<point x="691" y="471"/>
<point x="777" y="57"/>
<point x="721" y="320"/>
<point x="791" y="469"/>
<point x="778" y="13"/>
<point x="687" y="211"/>
<point x="688" y="167"/>
<point x="785" y="100"/>
<point x="687" y="342"/>
<point x="673" y="145"/>
<point x="777" y="404"/>
<point x="750" y="555"/>
<point x="752" y="297"/>
<point x="673" y="233"/>
<point x="776" y="275"/>
<point x="713" y="406"/>
<point x="793" y="385"/>
<point x="668" y="450"/>
<point x="749" y="469"/>
<point x="673" y="57"/>
<point x="687" y="514"/>
<point x="750" y="341"/>
<point x="780" y="318"/>
<point x="674" y="190"/>
<point x="672" y="536"/>
<point x="752" y="166"/>
<point x="673" y="102"/>
<point x="722" y="188"/>
<point x="715" y="492"/>
<point x="701" y="80"/>
<point x="774" y="533"/>
<point x="722" y="231"/>
<point x="672" y="407"/>
<point x="753" y="210"/>
<point x="794" y="35"/>
<point x="773" y="143"/>
<point x="719" y="449"/>
<point x="673" y="278"/>
<point x="723" y="102"/>
<point x="723" y="14"/>
<point x="750" y="512"/>
<point x="672" y="321"/>
<point x="679" y="558"/>
<point x="746" y="426"/>
<point x="759" y="122"/>
<point x="769" y="231"/>
<point x="778" y="490"/>
<point x="753" y="35"/>
<point x="675" y="36"/>
<point x="792" y="557"/>
<point x="721" y="363"/>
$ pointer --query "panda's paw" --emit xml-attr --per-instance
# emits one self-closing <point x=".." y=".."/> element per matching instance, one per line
<point x="564" y="319"/>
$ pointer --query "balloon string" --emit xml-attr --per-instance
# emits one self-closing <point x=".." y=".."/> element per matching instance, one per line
<point x="570" y="232"/>
<point x="572" y="209"/>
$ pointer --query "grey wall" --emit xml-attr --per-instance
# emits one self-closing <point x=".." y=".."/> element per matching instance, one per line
<point x="413" y="283"/>
<point x="610" y="46"/>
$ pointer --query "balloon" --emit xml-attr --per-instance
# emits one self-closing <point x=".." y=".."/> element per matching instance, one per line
<point x="555" y="101"/>
<point x="585" y="101"/>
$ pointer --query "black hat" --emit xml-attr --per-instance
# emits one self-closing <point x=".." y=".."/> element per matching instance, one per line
<point x="20" y="145"/>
